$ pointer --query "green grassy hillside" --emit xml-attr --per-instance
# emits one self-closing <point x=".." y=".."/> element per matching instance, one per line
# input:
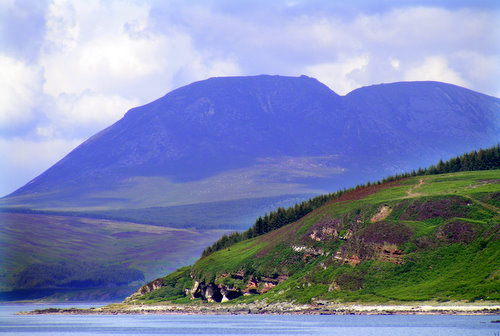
<point x="433" y="237"/>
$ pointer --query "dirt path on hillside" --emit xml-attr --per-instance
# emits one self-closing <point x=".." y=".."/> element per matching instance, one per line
<point x="411" y="192"/>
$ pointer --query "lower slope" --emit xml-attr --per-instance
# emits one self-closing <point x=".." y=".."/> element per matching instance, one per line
<point x="80" y="258"/>
<point x="423" y="238"/>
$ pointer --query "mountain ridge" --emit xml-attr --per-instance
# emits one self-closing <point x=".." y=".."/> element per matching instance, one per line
<point x="222" y="125"/>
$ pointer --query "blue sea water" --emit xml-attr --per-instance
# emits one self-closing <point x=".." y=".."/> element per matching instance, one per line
<point x="392" y="325"/>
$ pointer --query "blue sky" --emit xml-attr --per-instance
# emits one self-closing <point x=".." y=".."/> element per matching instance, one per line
<point x="72" y="68"/>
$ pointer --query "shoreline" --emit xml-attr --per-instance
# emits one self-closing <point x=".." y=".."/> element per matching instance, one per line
<point x="284" y="308"/>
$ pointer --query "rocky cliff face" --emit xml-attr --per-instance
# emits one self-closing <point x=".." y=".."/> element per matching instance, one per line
<point x="221" y="292"/>
<point x="217" y="291"/>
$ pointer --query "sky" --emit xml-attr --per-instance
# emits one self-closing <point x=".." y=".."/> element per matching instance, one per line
<point x="71" y="68"/>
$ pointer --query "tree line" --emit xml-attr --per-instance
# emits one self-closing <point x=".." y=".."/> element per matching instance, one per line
<point x="483" y="159"/>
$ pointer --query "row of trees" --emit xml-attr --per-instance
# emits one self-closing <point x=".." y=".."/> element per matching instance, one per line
<point x="484" y="159"/>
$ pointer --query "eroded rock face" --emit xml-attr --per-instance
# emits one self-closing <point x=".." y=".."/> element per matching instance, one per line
<point x="147" y="288"/>
<point x="389" y="253"/>
<point x="382" y="214"/>
<point x="229" y="294"/>
<point x="151" y="286"/>
<point x="325" y="230"/>
<point x="212" y="292"/>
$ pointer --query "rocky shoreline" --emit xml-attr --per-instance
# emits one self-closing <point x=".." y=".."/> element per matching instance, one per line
<point x="282" y="308"/>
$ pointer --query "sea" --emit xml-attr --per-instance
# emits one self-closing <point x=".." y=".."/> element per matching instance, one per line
<point x="345" y="325"/>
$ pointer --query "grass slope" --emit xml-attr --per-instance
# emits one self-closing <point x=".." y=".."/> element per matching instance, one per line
<point x="38" y="250"/>
<point x="430" y="237"/>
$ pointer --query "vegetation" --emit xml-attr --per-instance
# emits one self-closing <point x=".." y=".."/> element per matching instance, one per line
<point x="484" y="159"/>
<point x="76" y="275"/>
<point x="221" y="215"/>
<point x="420" y="236"/>
<point x="173" y="287"/>
<point x="272" y="221"/>
<point x="74" y="252"/>
<point x="431" y="246"/>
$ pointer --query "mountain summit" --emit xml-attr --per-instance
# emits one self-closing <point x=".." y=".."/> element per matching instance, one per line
<point x="243" y="137"/>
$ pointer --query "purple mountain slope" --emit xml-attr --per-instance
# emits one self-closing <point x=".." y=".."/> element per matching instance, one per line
<point x="241" y="137"/>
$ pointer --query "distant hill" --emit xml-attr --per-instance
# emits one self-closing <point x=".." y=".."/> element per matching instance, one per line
<point x="423" y="238"/>
<point x="209" y="157"/>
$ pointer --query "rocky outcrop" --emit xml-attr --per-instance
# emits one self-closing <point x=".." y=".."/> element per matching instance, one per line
<point x="322" y="233"/>
<point x="389" y="253"/>
<point x="382" y="214"/>
<point x="212" y="292"/>
<point x="308" y="250"/>
<point x="149" y="287"/>
<point x="385" y="252"/>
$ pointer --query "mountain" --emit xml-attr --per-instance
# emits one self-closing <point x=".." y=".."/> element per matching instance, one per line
<point x="242" y="137"/>
<point x="208" y="158"/>
<point x="423" y="238"/>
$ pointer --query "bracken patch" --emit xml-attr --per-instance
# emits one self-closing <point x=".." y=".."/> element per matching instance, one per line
<point x="449" y="207"/>
<point x="457" y="232"/>
<point x="386" y="232"/>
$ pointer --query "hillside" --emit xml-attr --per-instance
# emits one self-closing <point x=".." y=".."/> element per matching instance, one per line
<point x="432" y="237"/>
<point x="97" y="257"/>
<point x="47" y="253"/>
<point x="208" y="158"/>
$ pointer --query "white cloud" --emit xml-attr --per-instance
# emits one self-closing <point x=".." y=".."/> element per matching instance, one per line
<point x="104" y="47"/>
<point x="394" y="63"/>
<point x="89" y="111"/>
<point x="23" y="160"/>
<point x="201" y="68"/>
<point x="481" y="71"/>
<point x="220" y="68"/>
<point x="19" y="89"/>
<point x="340" y="76"/>
<point x="424" y="29"/>
<point x="113" y="48"/>
<point x="267" y="41"/>
<point x="434" y="68"/>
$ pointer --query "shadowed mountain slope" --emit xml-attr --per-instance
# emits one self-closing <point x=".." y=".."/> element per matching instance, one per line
<point x="241" y="137"/>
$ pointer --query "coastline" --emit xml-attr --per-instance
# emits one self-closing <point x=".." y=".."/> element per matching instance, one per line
<point x="282" y="308"/>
